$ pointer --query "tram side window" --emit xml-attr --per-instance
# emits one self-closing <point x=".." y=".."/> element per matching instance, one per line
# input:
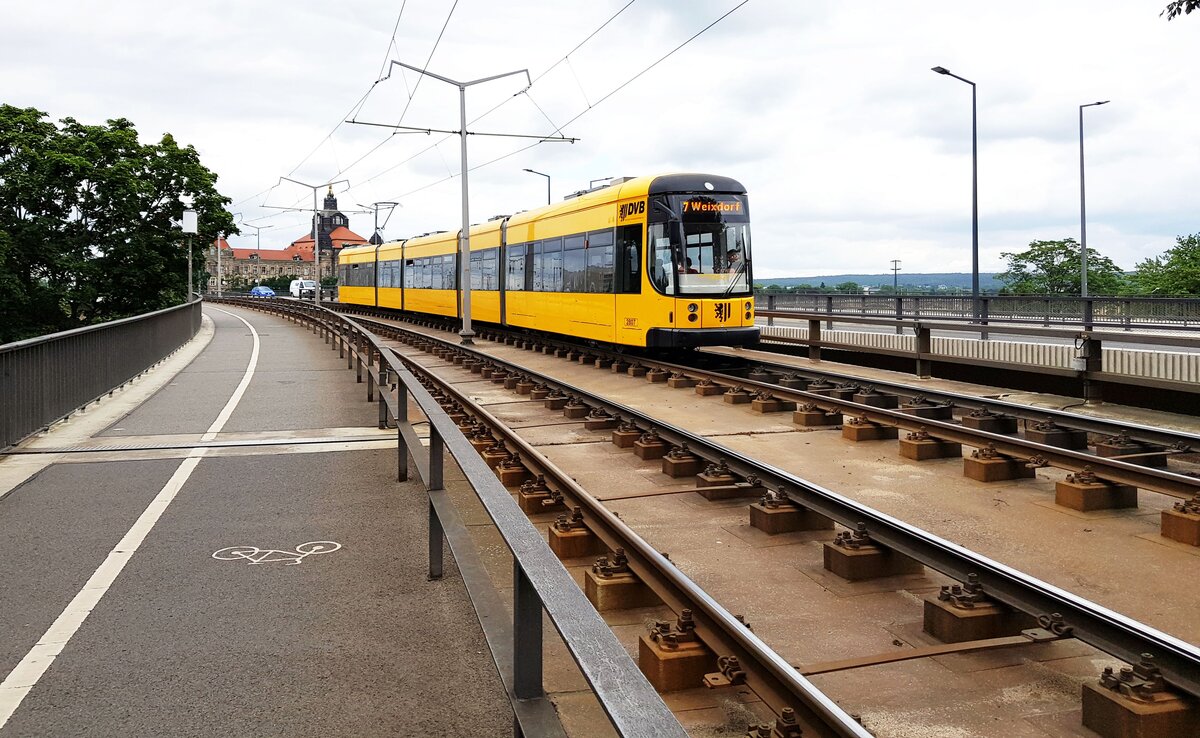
<point x="477" y="277"/>
<point x="435" y="274"/>
<point x="449" y="280"/>
<point x="599" y="262"/>
<point x="491" y="257"/>
<point x="516" y="268"/>
<point x="574" y="264"/>
<point x="662" y="273"/>
<point x="551" y="269"/>
<point x="483" y="269"/>
<point x="629" y="259"/>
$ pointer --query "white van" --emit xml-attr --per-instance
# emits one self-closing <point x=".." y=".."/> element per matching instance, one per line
<point x="303" y="288"/>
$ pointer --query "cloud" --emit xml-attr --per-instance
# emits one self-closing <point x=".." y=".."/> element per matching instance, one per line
<point x="853" y="151"/>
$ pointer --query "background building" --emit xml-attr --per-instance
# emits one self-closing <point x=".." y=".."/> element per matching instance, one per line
<point x="244" y="268"/>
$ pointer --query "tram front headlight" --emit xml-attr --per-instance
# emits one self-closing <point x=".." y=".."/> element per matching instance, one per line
<point x="693" y="307"/>
<point x="749" y="305"/>
<point x="692" y="317"/>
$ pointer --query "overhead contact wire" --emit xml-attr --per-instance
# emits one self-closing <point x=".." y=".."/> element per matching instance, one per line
<point x="558" y="130"/>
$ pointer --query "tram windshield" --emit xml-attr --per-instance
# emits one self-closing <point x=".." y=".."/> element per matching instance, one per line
<point x="699" y="245"/>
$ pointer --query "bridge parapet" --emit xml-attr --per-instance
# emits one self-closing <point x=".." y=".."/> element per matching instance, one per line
<point x="45" y="379"/>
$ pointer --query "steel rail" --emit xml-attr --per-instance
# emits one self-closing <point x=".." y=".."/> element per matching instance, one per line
<point x="1073" y="421"/>
<point x="1103" y="426"/>
<point x="1091" y="623"/>
<point x="1110" y="469"/>
<point x="770" y="676"/>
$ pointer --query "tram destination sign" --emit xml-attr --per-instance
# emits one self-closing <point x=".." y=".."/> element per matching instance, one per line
<point x="713" y="207"/>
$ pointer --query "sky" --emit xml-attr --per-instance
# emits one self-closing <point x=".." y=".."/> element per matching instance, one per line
<point x="853" y="152"/>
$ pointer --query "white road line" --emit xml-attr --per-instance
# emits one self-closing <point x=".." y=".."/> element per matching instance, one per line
<point x="26" y="674"/>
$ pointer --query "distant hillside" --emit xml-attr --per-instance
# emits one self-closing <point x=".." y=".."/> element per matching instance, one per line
<point x="958" y="280"/>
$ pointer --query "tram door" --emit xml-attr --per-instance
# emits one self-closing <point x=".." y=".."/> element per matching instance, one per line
<point x="631" y="319"/>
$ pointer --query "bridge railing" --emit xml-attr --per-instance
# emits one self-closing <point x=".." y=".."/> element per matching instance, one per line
<point x="45" y="379"/>
<point x="1127" y="313"/>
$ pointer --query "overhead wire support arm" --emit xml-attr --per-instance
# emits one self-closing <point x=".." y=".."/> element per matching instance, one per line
<point x="315" y="234"/>
<point x="413" y="129"/>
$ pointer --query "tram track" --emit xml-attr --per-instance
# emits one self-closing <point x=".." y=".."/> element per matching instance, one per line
<point x="1061" y="611"/>
<point x="1126" y="453"/>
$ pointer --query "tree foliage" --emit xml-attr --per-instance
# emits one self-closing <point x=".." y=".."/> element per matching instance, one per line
<point x="1053" y="268"/>
<point x="87" y="222"/>
<point x="1176" y="272"/>
<point x="1177" y="7"/>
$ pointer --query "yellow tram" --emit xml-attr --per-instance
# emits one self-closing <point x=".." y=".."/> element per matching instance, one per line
<point x="656" y="262"/>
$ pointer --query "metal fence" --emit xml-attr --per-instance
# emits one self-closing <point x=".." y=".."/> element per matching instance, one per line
<point x="46" y="378"/>
<point x="1123" y="312"/>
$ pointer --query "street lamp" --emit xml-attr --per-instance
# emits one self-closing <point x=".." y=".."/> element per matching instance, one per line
<point x="1083" y="207"/>
<point x="896" y="293"/>
<point x="188" y="224"/>
<point x="547" y="176"/>
<point x="974" y="191"/>
<point x="257" y="251"/>
<point x="315" y="234"/>
<point x="465" y="237"/>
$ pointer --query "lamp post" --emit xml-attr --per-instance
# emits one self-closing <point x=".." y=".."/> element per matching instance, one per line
<point x="315" y="234"/>
<point x="464" y="238"/>
<point x="1083" y="207"/>
<point x="257" y="250"/>
<point x="547" y="176"/>
<point x="974" y="192"/>
<point x="896" y="293"/>
<point x="188" y="224"/>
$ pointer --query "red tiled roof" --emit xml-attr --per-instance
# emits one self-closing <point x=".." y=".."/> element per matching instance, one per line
<point x="342" y="234"/>
<point x="337" y="236"/>
<point x="268" y="254"/>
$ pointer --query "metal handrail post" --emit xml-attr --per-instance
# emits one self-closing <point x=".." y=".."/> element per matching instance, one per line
<point x="437" y="542"/>
<point x="401" y="422"/>
<point x="383" y="382"/>
<point x="527" y="636"/>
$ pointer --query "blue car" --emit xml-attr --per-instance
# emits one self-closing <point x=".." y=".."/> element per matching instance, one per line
<point x="262" y="291"/>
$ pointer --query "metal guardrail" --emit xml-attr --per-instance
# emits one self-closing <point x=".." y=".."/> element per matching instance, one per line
<point x="1125" y="313"/>
<point x="1089" y="347"/>
<point x="45" y="379"/>
<point x="541" y="583"/>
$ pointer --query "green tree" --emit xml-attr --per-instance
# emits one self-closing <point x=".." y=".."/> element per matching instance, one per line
<point x="87" y="217"/>
<point x="1053" y="268"/>
<point x="1176" y="272"/>
<point x="1176" y="7"/>
<point x="279" y="283"/>
<point x="848" y="287"/>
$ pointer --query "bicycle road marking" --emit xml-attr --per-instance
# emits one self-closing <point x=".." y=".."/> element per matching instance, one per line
<point x="26" y="674"/>
<point x="256" y="555"/>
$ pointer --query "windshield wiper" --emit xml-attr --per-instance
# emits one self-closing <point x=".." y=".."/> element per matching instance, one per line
<point x="741" y="267"/>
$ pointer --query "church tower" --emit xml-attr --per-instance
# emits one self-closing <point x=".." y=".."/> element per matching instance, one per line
<point x="330" y="220"/>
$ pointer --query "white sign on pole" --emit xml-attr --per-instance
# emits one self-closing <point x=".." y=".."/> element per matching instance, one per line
<point x="189" y="221"/>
